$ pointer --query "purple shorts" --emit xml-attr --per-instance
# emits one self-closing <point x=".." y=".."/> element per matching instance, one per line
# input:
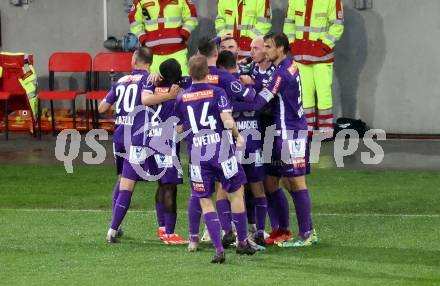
<point x="202" y="178"/>
<point x="253" y="166"/>
<point x="135" y="166"/>
<point x="290" y="158"/>
<point x="168" y="169"/>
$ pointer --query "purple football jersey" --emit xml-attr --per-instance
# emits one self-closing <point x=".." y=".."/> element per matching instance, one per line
<point x="198" y="109"/>
<point x="232" y="86"/>
<point x="285" y="89"/>
<point x="126" y="94"/>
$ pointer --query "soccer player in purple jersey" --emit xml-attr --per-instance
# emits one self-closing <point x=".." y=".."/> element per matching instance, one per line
<point x="167" y="159"/>
<point x="132" y="163"/>
<point x="234" y="90"/>
<point x="204" y="113"/>
<point x="291" y="147"/>
<point x="258" y="70"/>
<point x="248" y="124"/>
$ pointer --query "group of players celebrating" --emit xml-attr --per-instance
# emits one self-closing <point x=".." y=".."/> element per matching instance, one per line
<point x="225" y="111"/>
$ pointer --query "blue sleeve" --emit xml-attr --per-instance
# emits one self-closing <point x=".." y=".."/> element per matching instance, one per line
<point x="111" y="96"/>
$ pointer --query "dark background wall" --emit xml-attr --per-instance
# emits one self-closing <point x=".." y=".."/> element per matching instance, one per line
<point x="387" y="70"/>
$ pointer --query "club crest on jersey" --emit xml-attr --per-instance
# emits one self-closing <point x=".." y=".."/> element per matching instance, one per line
<point x="223" y="102"/>
<point x="163" y="161"/>
<point x="236" y="86"/>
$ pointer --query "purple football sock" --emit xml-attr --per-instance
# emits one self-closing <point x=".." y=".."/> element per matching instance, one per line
<point x="213" y="225"/>
<point x="272" y="211"/>
<point x="170" y="222"/>
<point x="115" y="196"/>
<point x="194" y="214"/>
<point x="121" y="208"/>
<point x="224" y="215"/>
<point x="260" y="211"/>
<point x="301" y="199"/>
<point x="250" y="207"/>
<point x="239" y="220"/>
<point x="160" y="214"/>
<point x="283" y="206"/>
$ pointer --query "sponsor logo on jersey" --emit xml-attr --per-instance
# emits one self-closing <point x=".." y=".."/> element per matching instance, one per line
<point x="276" y="85"/>
<point x="236" y="86"/>
<point x="293" y="68"/>
<point x="198" y="187"/>
<point x="130" y="78"/>
<point x="228" y="12"/>
<point x="213" y="79"/>
<point x="198" y="95"/>
<point x="299" y="13"/>
<point x="195" y="173"/>
<point x="162" y="90"/>
<point x="299" y="163"/>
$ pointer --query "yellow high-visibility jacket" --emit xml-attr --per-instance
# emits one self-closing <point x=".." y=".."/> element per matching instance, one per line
<point x="313" y="27"/>
<point x="163" y="25"/>
<point x="245" y="19"/>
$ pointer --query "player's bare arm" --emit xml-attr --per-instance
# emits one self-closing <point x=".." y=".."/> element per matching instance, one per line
<point x="104" y="106"/>
<point x="149" y="98"/>
<point x="229" y="123"/>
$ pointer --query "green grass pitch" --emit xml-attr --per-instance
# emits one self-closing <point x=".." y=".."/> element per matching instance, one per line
<point x="375" y="228"/>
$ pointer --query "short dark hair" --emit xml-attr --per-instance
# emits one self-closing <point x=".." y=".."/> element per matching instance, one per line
<point x="226" y="60"/>
<point x="171" y="71"/>
<point x="280" y="40"/>
<point x="145" y="55"/>
<point x="198" y="67"/>
<point x="207" y="46"/>
<point x="229" y="38"/>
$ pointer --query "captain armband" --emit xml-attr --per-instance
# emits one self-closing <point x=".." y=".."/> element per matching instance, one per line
<point x="266" y="94"/>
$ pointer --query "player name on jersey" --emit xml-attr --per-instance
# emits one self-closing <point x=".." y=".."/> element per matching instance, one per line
<point x="124" y="120"/>
<point x="207" y="139"/>
<point x="247" y="124"/>
<point x="154" y="132"/>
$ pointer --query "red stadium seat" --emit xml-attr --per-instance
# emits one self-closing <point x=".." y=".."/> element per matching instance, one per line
<point x="72" y="62"/>
<point x="110" y="63"/>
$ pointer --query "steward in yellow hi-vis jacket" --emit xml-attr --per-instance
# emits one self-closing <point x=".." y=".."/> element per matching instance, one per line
<point x="244" y="19"/>
<point x="164" y="26"/>
<point x="313" y="27"/>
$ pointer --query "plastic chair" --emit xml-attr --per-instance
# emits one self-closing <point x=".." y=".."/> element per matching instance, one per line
<point x="74" y="62"/>
<point x="104" y="62"/>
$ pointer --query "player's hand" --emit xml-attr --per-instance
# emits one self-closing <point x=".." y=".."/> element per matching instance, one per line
<point x="239" y="141"/>
<point x="246" y="80"/>
<point x="155" y="78"/>
<point x="174" y="91"/>
<point x="226" y="36"/>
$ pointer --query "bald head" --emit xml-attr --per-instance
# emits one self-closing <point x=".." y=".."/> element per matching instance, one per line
<point x="257" y="50"/>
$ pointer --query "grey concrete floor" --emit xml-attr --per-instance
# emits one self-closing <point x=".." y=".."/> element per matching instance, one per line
<point x="398" y="153"/>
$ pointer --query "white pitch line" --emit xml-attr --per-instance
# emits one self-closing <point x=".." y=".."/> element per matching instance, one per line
<point x="152" y="211"/>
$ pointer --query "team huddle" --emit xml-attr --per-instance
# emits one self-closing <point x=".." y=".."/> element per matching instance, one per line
<point x="245" y="132"/>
